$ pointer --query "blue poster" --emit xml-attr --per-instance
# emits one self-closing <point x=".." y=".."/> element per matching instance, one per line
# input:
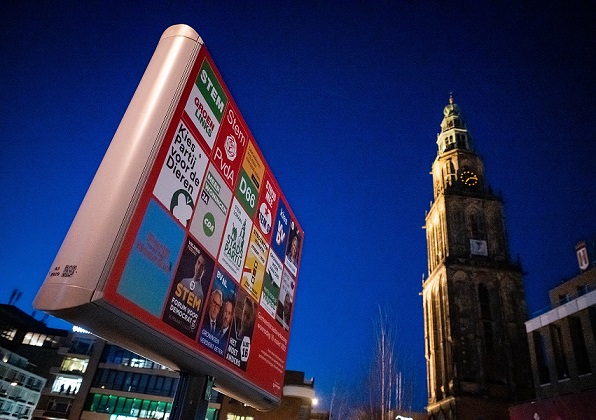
<point x="280" y="230"/>
<point x="152" y="260"/>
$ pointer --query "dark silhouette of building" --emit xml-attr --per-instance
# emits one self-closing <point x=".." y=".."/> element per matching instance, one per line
<point x="474" y="307"/>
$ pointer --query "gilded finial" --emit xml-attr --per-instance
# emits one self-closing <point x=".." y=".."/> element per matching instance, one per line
<point x="451" y="97"/>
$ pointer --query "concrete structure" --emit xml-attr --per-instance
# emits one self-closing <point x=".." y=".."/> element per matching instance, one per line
<point x="474" y="307"/>
<point x="563" y="352"/>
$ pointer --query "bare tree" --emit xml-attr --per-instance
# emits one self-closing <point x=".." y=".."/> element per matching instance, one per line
<point x="387" y="393"/>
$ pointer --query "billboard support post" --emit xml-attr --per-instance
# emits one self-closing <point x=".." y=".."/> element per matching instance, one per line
<point x="192" y="397"/>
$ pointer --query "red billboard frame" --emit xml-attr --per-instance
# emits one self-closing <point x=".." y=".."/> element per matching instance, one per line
<point x="160" y="237"/>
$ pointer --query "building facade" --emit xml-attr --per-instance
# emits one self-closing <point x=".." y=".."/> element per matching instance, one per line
<point x="474" y="306"/>
<point x="20" y="389"/>
<point x="563" y="350"/>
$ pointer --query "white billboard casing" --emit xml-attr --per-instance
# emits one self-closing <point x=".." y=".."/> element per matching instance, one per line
<point x="168" y="254"/>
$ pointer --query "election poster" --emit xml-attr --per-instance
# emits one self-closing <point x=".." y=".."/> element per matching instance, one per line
<point x="181" y="175"/>
<point x="151" y="261"/>
<point x="254" y="266"/>
<point x="211" y="212"/>
<point x="188" y="290"/>
<point x="280" y="230"/>
<point x="230" y="145"/>
<point x="267" y="206"/>
<point x="286" y="300"/>
<point x="293" y="248"/>
<point x="238" y="350"/>
<point x="206" y="103"/>
<point x="235" y="240"/>
<point x="271" y="284"/>
<point x="218" y="318"/>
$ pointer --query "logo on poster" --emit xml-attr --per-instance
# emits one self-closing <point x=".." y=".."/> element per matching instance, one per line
<point x="236" y="127"/>
<point x="265" y="218"/>
<point x="224" y="166"/>
<point x="249" y="195"/>
<point x="280" y="235"/>
<point x="234" y="243"/>
<point x="245" y="349"/>
<point x="231" y="148"/>
<point x="270" y="195"/>
<point x="204" y="118"/>
<point x="212" y="91"/>
<point x="208" y="224"/>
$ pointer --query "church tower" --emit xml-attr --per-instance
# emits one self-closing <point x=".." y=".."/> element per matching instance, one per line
<point x="474" y="307"/>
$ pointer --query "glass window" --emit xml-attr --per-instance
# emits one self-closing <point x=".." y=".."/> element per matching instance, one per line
<point x="540" y="353"/>
<point x="8" y="333"/>
<point x="143" y="383"/>
<point x="119" y="381"/>
<point x="144" y="409"/>
<point x="559" y="352"/>
<point x="579" y="346"/>
<point x="135" y="407"/>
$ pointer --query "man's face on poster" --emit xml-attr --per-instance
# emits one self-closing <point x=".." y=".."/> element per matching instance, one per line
<point x="215" y="305"/>
<point x="227" y="314"/>
<point x="200" y="266"/>
<point x="287" y="303"/>
<point x="246" y="316"/>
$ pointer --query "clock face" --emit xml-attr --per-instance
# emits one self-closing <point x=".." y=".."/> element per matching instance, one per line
<point x="468" y="178"/>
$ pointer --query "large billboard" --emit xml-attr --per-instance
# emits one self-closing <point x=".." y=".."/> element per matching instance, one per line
<point x="185" y="249"/>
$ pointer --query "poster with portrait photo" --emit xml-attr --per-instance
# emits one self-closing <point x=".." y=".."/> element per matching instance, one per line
<point x="271" y="284"/>
<point x="189" y="288"/>
<point x="285" y="302"/>
<point x="293" y="248"/>
<point x="254" y="266"/>
<point x="245" y="314"/>
<point x="214" y="333"/>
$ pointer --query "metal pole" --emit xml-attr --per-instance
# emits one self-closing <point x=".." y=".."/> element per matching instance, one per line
<point x="192" y="397"/>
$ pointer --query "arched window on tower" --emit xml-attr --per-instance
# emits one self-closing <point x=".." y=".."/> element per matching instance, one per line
<point x="476" y="225"/>
<point x="450" y="173"/>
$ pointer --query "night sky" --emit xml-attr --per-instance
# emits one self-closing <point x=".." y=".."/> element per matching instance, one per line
<point x="345" y="101"/>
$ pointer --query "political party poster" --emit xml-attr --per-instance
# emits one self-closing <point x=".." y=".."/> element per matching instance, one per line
<point x="251" y="178"/>
<point x="206" y="103"/>
<point x="217" y="319"/>
<point x="239" y="343"/>
<point x="286" y="300"/>
<point x="293" y="248"/>
<point x="211" y="211"/>
<point x="267" y="206"/>
<point x="188" y="290"/>
<point x="235" y="240"/>
<point x="271" y="284"/>
<point x="181" y="175"/>
<point x="151" y="261"/>
<point x="254" y="266"/>
<point x="280" y="230"/>
<point x="230" y="145"/>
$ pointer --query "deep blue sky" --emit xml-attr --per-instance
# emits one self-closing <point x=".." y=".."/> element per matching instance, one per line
<point x="345" y="101"/>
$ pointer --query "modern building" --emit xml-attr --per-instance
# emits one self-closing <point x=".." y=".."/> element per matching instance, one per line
<point x="88" y="378"/>
<point x="20" y="389"/>
<point x="474" y="307"/>
<point x="563" y="349"/>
